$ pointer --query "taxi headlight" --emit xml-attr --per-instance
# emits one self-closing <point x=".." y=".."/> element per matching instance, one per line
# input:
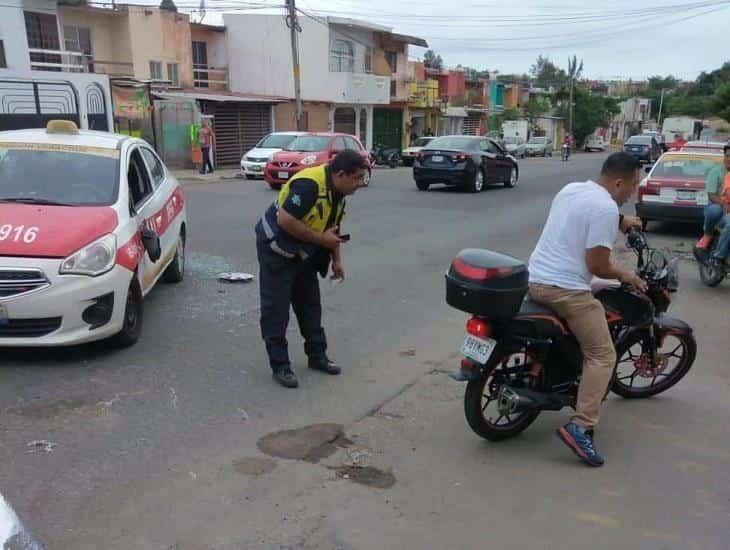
<point x="94" y="259"/>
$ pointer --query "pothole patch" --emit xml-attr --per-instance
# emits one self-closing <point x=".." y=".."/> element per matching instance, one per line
<point x="366" y="475"/>
<point x="310" y="443"/>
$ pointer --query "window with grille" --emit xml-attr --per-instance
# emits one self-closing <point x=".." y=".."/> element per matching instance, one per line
<point x="173" y="74"/>
<point x="392" y="59"/>
<point x="3" y="61"/>
<point x="78" y="39"/>
<point x="342" y="56"/>
<point x="41" y="30"/>
<point x="155" y="70"/>
<point x="368" y="59"/>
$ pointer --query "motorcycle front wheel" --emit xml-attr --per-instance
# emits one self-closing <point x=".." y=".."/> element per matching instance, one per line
<point x="636" y="377"/>
<point x="480" y="403"/>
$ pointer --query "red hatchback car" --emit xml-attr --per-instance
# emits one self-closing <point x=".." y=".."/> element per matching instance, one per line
<point x="310" y="150"/>
<point x="674" y="190"/>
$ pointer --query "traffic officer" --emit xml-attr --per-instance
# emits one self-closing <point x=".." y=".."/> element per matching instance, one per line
<point x="296" y="238"/>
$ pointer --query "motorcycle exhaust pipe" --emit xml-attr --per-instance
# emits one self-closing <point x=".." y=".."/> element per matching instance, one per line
<point x="513" y="400"/>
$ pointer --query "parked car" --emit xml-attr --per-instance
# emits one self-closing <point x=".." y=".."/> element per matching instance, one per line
<point x="674" y="189"/>
<point x="659" y="137"/>
<point x="309" y="150"/>
<point x="465" y="161"/>
<point x="515" y="146"/>
<point x="644" y="148"/>
<point x="253" y="163"/>
<point x="539" y="146"/>
<point x="89" y="222"/>
<point x="409" y="153"/>
<point x="594" y="143"/>
<point x="704" y="146"/>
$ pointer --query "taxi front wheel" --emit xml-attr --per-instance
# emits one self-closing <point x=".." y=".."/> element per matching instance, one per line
<point x="132" y="326"/>
<point x="176" y="270"/>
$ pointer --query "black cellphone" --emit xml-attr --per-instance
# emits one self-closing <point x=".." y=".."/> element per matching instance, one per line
<point x="345" y="237"/>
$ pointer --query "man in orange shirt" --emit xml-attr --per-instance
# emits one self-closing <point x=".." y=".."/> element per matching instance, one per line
<point x="722" y="199"/>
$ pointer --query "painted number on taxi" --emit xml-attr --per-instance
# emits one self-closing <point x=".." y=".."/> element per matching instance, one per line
<point x="18" y="233"/>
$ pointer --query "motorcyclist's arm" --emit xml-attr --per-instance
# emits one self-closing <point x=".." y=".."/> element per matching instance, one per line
<point x="713" y="186"/>
<point x="598" y="262"/>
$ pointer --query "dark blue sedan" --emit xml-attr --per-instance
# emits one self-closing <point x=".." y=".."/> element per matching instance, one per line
<point x="643" y="148"/>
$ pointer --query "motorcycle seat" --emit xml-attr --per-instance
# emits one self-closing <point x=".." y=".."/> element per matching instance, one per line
<point x="537" y="321"/>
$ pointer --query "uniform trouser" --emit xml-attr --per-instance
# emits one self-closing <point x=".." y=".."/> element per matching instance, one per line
<point x="285" y="283"/>
<point x="586" y="319"/>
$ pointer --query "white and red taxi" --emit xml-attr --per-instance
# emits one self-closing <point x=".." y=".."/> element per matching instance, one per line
<point x="674" y="190"/>
<point x="89" y="221"/>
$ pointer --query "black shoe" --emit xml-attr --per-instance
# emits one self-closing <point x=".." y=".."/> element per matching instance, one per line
<point x="286" y="377"/>
<point x="324" y="364"/>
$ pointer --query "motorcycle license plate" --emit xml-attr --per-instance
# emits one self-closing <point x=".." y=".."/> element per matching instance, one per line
<point x="283" y="175"/>
<point x="437" y="158"/>
<point x="478" y="349"/>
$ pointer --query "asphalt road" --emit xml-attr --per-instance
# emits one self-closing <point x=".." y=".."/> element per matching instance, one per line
<point x="156" y="446"/>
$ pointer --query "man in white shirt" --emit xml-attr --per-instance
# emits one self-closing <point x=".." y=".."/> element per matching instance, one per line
<point x="575" y="245"/>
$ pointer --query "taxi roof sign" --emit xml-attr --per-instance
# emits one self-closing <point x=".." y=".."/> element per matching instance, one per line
<point x="61" y="127"/>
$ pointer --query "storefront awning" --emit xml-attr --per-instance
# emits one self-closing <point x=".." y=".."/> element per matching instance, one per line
<point x="213" y="96"/>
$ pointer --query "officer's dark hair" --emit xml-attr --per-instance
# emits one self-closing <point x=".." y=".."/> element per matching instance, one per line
<point x="726" y="149"/>
<point x="348" y="161"/>
<point x="620" y="165"/>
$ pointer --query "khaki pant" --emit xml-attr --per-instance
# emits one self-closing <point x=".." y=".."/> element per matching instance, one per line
<point x="587" y="320"/>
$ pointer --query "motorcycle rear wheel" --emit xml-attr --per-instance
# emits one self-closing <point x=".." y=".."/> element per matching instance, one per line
<point x="477" y="399"/>
<point x="709" y="275"/>
<point x="683" y="349"/>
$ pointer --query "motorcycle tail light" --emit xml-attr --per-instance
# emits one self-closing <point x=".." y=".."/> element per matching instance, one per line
<point x="478" y="327"/>
<point x="461" y="158"/>
<point x="479" y="273"/>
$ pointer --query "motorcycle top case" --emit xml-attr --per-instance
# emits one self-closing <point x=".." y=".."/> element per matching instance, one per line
<point x="486" y="283"/>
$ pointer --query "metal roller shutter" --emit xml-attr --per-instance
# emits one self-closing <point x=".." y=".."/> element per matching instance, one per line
<point x="238" y="127"/>
<point x="471" y="125"/>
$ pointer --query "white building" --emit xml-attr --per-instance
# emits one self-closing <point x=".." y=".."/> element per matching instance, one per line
<point x="336" y="59"/>
<point x="635" y="114"/>
<point x="42" y="79"/>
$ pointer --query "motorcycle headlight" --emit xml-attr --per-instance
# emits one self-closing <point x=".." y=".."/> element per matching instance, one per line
<point x="93" y="260"/>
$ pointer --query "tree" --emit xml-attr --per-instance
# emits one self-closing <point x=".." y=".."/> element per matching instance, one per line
<point x="536" y="107"/>
<point x="433" y="60"/>
<point x="546" y="74"/>
<point x="721" y="101"/>
<point x="574" y="72"/>
<point x="590" y="111"/>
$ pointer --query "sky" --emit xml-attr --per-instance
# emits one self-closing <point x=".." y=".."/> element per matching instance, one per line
<point x="617" y="39"/>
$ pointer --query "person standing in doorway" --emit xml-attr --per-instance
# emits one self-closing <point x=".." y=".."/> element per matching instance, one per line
<point x="207" y="143"/>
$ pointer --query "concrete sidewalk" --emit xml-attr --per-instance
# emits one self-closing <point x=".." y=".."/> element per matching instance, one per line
<point x="194" y="176"/>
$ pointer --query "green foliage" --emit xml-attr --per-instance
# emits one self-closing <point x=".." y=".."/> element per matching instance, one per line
<point x="591" y="111"/>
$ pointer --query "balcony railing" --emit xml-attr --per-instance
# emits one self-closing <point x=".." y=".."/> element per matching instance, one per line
<point x="214" y="78"/>
<point x="57" y="60"/>
<point x="76" y="62"/>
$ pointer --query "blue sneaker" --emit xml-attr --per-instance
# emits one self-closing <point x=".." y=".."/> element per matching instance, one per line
<point x="580" y="442"/>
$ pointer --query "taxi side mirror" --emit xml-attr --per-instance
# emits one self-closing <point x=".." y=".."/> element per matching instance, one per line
<point x="151" y="243"/>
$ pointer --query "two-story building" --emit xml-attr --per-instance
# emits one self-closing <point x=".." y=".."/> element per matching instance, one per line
<point x="43" y="76"/>
<point x="350" y="70"/>
<point x="634" y="115"/>
<point x="424" y="104"/>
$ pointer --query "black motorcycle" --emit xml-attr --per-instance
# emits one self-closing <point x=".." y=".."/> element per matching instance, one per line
<point x="385" y="156"/>
<point x="712" y="275"/>
<point x="521" y="359"/>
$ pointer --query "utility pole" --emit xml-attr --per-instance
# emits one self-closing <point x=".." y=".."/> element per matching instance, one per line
<point x="570" y="110"/>
<point x="293" y="23"/>
<point x="659" y="116"/>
